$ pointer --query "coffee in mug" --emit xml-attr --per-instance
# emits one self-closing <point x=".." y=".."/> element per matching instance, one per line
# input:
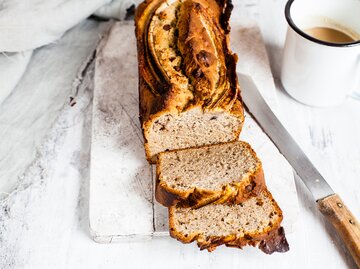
<point x="321" y="60"/>
<point x="329" y="34"/>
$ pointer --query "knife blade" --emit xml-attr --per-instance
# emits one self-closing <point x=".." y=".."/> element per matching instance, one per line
<point x="329" y="203"/>
<point x="287" y="146"/>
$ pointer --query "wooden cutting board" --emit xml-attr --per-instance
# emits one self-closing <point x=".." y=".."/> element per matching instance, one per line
<point x="122" y="204"/>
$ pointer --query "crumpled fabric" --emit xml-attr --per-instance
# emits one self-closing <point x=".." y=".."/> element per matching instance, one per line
<point x="26" y="25"/>
<point x="29" y="24"/>
<point x="33" y="107"/>
<point x="12" y="67"/>
<point x="42" y="45"/>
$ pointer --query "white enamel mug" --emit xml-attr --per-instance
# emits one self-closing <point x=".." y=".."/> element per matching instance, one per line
<point x="316" y="72"/>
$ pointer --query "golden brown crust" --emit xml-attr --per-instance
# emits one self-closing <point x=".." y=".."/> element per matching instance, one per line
<point x="236" y="192"/>
<point x="272" y="239"/>
<point x="202" y="64"/>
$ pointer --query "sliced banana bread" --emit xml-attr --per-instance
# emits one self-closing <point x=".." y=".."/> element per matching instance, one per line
<point x="217" y="173"/>
<point x="188" y="89"/>
<point x="255" y="222"/>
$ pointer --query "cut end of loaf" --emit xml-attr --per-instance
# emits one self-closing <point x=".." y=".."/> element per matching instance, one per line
<point x="255" y="222"/>
<point x="189" y="94"/>
<point x="218" y="173"/>
<point x="209" y="167"/>
<point x="256" y="215"/>
<point x="192" y="128"/>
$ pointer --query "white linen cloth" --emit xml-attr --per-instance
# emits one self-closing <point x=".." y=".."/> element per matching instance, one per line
<point x="38" y="64"/>
<point x="29" y="24"/>
<point x="12" y="67"/>
<point x="27" y="115"/>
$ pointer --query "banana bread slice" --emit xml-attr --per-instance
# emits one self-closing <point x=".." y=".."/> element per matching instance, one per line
<point x="255" y="222"/>
<point x="188" y="89"/>
<point x="217" y="173"/>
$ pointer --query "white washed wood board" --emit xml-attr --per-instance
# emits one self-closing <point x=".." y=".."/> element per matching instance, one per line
<point x="121" y="203"/>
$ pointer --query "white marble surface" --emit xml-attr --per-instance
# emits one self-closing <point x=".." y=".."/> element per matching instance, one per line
<point x="44" y="223"/>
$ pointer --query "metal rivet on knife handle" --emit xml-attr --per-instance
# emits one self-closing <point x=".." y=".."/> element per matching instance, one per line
<point x="344" y="222"/>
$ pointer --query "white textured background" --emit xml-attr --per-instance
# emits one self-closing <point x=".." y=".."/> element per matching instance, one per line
<point x="44" y="222"/>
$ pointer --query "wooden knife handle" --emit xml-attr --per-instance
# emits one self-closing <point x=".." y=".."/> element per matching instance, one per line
<point x="344" y="222"/>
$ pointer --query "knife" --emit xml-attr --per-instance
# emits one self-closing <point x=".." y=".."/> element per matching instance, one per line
<point x="329" y="203"/>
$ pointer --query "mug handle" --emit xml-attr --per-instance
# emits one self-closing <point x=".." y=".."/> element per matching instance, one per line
<point x="356" y="93"/>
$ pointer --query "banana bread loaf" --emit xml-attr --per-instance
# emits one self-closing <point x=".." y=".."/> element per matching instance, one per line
<point x="218" y="173"/>
<point x="255" y="222"/>
<point x="188" y="89"/>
